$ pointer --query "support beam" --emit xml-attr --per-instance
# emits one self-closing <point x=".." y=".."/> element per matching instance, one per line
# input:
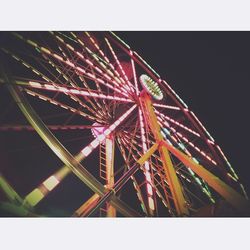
<point x="228" y="193"/>
<point x="87" y="206"/>
<point x="174" y="184"/>
<point x="123" y="180"/>
<point x="110" y="180"/>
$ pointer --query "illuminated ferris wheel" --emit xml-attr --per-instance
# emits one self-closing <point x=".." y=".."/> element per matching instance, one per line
<point x="144" y="153"/>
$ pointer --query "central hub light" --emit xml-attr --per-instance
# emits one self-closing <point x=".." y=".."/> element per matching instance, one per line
<point x="151" y="87"/>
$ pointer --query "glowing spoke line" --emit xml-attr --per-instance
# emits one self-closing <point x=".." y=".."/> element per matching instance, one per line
<point x="73" y="97"/>
<point x="177" y="123"/>
<point x="105" y="108"/>
<point x="107" y="61"/>
<point x="67" y="90"/>
<point x="119" y="79"/>
<point x="166" y="106"/>
<point x="190" y="143"/>
<point x="100" y="108"/>
<point x="119" y="65"/>
<point x="80" y="55"/>
<point x="37" y="72"/>
<point x="51" y="127"/>
<point x="134" y="74"/>
<point x="61" y="105"/>
<point x="73" y="84"/>
<point x="191" y="173"/>
<point x="69" y="63"/>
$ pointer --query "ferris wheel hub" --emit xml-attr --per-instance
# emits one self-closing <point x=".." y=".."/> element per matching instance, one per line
<point x="97" y="129"/>
<point x="151" y="87"/>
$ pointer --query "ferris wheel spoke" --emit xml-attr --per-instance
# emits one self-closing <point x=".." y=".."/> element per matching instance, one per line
<point x="134" y="73"/>
<point x="69" y="63"/>
<point x="185" y="139"/>
<point x="146" y="165"/>
<point x="62" y="105"/>
<point x="106" y="60"/>
<point x="37" y="72"/>
<point x="157" y="172"/>
<point x="160" y="185"/>
<point x="167" y="118"/>
<point x="129" y="84"/>
<point x="103" y="107"/>
<point x="95" y="103"/>
<point x="104" y="71"/>
<point x="135" y="183"/>
<point x="147" y="175"/>
<point x="123" y="180"/>
<point x="196" y="179"/>
<point x="65" y="90"/>
<point x="171" y="107"/>
<point x="119" y="80"/>
<point x="11" y="127"/>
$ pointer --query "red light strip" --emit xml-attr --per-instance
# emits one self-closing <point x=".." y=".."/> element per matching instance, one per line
<point x="177" y="123"/>
<point x="52" y="101"/>
<point x="76" y="99"/>
<point x="106" y="59"/>
<point x="190" y="143"/>
<point x="51" y="127"/>
<point x="166" y="106"/>
<point x="120" y="67"/>
<point x="77" y="68"/>
<point x="89" y="63"/>
<point x="116" y="81"/>
<point x="134" y="74"/>
<point x="49" y="80"/>
<point x="66" y="90"/>
<point x="146" y="164"/>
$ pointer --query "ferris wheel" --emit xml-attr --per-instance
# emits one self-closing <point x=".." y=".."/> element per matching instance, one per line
<point x="135" y="144"/>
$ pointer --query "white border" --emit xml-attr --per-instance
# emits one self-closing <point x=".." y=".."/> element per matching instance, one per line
<point x="124" y="15"/>
<point x="209" y="233"/>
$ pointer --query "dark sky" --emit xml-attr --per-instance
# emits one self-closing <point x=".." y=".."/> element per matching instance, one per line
<point x="211" y="73"/>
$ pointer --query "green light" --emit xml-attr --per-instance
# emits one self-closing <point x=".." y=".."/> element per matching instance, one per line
<point x="34" y="197"/>
<point x="151" y="87"/>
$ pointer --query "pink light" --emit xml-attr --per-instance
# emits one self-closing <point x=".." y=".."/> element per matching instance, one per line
<point x="94" y="143"/>
<point x="166" y="106"/>
<point x="86" y="151"/>
<point x="148" y="177"/>
<point x="149" y="189"/>
<point x="77" y="92"/>
<point x="151" y="203"/>
<point x="70" y="64"/>
<point x="35" y="84"/>
<point x="51" y="182"/>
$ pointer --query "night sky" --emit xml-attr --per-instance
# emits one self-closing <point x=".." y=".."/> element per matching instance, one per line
<point x="208" y="70"/>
